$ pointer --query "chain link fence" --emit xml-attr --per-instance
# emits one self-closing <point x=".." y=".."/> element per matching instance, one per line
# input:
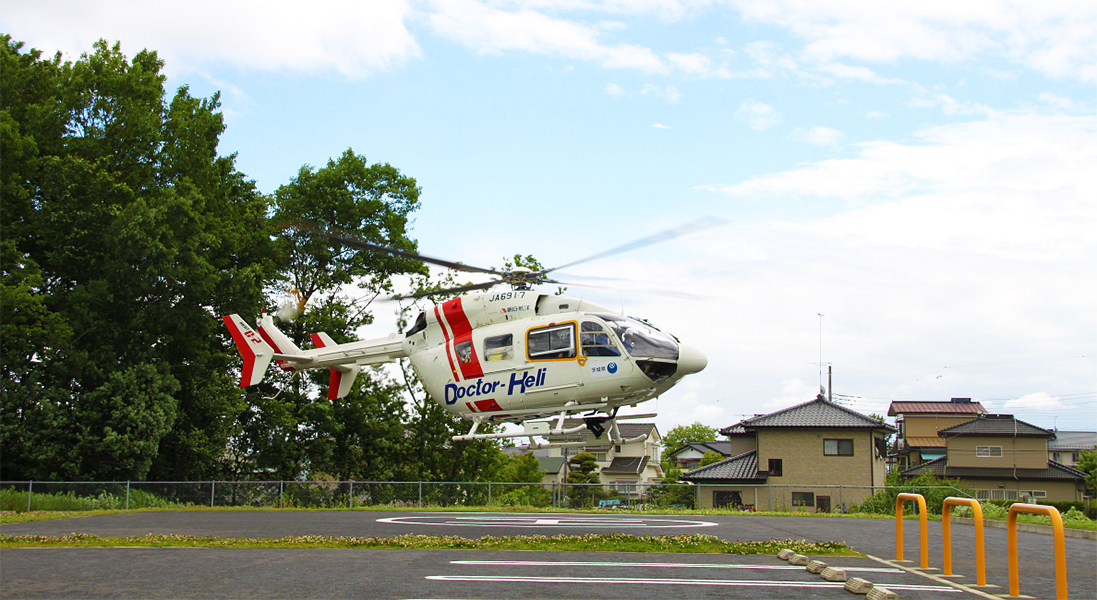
<point x="42" y="495"/>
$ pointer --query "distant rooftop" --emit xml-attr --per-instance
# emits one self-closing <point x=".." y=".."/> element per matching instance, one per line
<point x="954" y="406"/>
<point x="996" y="425"/>
<point x="1073" y="441"/>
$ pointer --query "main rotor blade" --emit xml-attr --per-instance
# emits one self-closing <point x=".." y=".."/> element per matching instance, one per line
<point x="436" y="261"/>
<point x="669" y="234"/>
<point x="464" y="288"/>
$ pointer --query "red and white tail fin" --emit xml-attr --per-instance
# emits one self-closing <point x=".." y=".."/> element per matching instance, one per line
<point x="257" y="353"/>
<point x="342" y="376"/>
<point x="278" y="340"/>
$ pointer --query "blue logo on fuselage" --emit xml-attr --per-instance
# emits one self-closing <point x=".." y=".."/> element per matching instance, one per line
<point x="612" y="368"/>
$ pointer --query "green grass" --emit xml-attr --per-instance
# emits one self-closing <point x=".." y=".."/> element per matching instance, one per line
<point x="610" y="542"/>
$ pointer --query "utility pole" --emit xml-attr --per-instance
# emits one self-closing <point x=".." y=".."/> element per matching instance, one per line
<point x="830" y="383"/>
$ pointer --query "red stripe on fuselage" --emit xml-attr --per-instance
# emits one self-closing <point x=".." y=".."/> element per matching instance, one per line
<point x="245" y="351"/>
<point x="284" y="364"/>
<point x="449" y="350"/>
<point x="462" y="333"/>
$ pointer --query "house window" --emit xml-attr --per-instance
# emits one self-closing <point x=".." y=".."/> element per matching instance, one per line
<point x="1057" y="457"/>
<point x="988" y="451"/>
<point x="1075" y="457"/>
<point x="775" y="467"/>
<point x="626" y="487"/>
<point x="803" y="498"/>
<point x="837" y="447"/>
<point x="1038" y="493"/>
<point x="982" y="494"/>
<point x="722" y="498"/>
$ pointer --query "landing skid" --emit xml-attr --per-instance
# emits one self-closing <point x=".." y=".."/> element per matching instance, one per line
<point x="595" y="424"/>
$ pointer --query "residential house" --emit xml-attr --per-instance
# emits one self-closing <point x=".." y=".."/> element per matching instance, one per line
<point x="629" y="468"/>
<point x="689" y="456"/>
<point x="1067" y="447"/>
<point x="1003" y="458"/>
<point x="919" y="422"/>
<point x="816" y="457"/>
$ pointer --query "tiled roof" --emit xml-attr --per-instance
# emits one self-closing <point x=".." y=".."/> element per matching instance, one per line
<point x="627" y="464"/>
<point x="816" y="413"/>
<point x="742" y="467"/>
<point x="996" y="425"/>
<point x="551" y="464"/>
<point x="736" y="429"/>
<point x="703" y="447"/>
<point x="940" y="468"/>
<point x="926" y="442"/>
<point x="1073" y="440"/>
<point x="948" y="408"/>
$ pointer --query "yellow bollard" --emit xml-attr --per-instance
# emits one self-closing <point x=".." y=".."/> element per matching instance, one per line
<point x="980" y="550"/>
<point x="923" y="521"/>
<point x="1060" y="547"/>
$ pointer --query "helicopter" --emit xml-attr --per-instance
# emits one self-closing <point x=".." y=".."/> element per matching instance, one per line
<point x="516" y="356"/>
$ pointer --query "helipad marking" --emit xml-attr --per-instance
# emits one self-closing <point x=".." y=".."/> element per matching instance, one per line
<point x="544" y="521"/>
<point x="692" y="582"/>
<point x="540" y="563"/>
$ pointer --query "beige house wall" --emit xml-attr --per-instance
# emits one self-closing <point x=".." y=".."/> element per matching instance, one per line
<point x="838" y="480"/>
<point x="1057" y="491"/>
<point x="929" y="425"/>
<point x="766" y="497"/>
<point x="1019" y="452"/>
<point x="741" y="444"/>
<point x="803" y="462"/>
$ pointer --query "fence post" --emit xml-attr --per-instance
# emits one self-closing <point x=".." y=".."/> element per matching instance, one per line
<point x="1059" y="541"/>
<point x="281" y="494"/>
<point x="923" y="522"/>
<point x="420" y="493"/>
<point x="350" y="496"/>
<point x="980" y="550"/>
<point x="30" y="493"/>
<point x="212" y="491"/>
<point x="127" y="495"/>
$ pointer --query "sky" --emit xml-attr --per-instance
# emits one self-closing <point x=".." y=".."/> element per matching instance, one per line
<point x="907" y="191"/>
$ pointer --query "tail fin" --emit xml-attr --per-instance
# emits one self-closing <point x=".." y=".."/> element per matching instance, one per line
<point x="342" y="376"/>
<point x="278" y="340"/>
<point x="257" y="354"/>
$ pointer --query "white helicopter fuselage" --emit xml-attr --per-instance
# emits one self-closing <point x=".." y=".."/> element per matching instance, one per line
<point x="499" y="356"/>
<point x="511" y="356"/>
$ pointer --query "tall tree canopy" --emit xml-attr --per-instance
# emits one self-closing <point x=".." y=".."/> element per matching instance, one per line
<point x="124" y="237"/>
<point x="123" y="234"/>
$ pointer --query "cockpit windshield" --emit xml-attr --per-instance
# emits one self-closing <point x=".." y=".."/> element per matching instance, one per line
<point x="640" y="339"/>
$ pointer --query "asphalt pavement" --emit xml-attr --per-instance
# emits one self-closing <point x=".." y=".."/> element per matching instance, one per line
<point x="222" y="573"/>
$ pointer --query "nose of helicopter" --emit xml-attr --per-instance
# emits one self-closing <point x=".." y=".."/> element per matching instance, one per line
<point x="691" y="359"/>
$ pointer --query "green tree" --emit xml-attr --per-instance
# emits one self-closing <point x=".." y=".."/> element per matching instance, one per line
<point x="583" y="473"/>
<point x="122" y="232"/>
<point x="682" y="435"/>
<point x="1088" y="465"/>
<point x="710" y="457"/>
<point x="292" y="428"/>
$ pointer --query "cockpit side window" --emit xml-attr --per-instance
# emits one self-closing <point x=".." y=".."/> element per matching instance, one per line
<point x="640" y="339"/>
<point x="554" y="342"/>
<point x="596" y="341"/>
<point x="499" y="347"/>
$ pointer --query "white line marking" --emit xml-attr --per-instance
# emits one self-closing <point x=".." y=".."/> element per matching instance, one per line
<point x="545" y="521"/>
<point x="693" y="582"/>
<point x="537" y="563"/>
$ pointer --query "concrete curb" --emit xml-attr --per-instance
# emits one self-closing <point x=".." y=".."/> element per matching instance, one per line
<point x="1081" y="534"/>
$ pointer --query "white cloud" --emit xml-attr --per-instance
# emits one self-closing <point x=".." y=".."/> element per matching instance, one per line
<point x="818" y="136"/>
<point x="660" y="126"/>
<point x="490" y="30"/>
<point x="352" y="38"/>
<point x="612" y="89"/>
<point x="670" y="93"/>
<point x="758" y="114"/>
<point x="1058" y="39"/>
<point x="1038" y="402"/>
<point x="1059" y="102"/>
